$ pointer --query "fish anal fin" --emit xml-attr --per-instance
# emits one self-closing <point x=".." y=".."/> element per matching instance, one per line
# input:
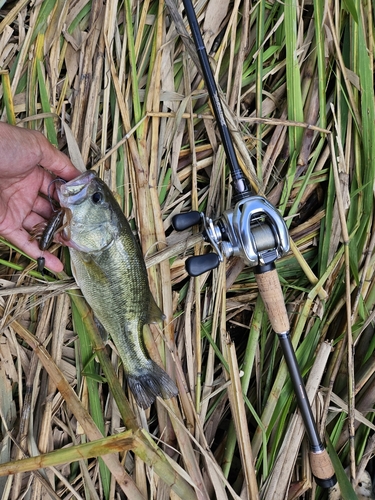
<point x="154" y="313"/>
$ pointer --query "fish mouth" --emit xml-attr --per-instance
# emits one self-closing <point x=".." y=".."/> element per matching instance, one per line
<point x="74" y="192"/>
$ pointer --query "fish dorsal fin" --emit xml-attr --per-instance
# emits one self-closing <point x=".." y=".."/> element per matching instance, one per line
<point x="154" y="313"/>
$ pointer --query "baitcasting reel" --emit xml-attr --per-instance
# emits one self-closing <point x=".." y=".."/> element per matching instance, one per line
<point x="253" y="230"/>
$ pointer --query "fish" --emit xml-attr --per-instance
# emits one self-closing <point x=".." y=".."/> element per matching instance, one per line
<point x="108" y="266"/>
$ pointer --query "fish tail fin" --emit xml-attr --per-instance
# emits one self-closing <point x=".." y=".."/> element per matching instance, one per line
<point x="149" y="384"/>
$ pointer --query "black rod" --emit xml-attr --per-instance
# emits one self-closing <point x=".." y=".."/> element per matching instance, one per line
<point x="240" y="183"/>
<point x="273" y="299"/>
<point x="322" y="468"/>
<point x="300" y="392"/>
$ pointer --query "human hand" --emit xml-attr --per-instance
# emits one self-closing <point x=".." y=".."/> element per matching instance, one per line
<point x="23" y="154"/>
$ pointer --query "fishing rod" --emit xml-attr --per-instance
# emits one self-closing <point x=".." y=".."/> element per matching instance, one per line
<point x="255" y="231"/>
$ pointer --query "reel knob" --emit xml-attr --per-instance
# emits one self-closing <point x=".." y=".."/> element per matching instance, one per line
<point x="195" y="266"/>
<point x="181" y="222"/>
<point x="199" y="264"/>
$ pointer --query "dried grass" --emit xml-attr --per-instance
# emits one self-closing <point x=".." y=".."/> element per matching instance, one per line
<point x="117" y="85"/>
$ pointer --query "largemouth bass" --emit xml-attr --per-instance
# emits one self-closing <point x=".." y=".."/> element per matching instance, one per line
<point x="108" y="266"/>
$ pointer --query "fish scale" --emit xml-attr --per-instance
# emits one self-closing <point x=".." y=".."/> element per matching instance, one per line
<point x="108" y="266"/>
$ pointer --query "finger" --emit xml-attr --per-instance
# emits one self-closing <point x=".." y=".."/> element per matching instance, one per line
<point x="52" y="262"/>
<point x="20" y="238"/>
<point x="43" y="207"/>
<point x="56" y="161"/>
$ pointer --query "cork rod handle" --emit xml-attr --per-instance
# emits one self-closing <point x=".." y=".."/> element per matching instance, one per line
<point x="322" y="469"/>
<point x="273" y="298"/>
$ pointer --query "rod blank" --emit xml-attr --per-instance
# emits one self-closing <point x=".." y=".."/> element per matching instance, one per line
<point x="240" y="183"/>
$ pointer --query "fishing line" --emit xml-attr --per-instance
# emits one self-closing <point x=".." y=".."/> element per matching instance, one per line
<point x="51" y="200"/>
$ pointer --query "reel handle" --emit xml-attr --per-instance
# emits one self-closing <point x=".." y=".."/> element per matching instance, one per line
<point x="199" y="264"/>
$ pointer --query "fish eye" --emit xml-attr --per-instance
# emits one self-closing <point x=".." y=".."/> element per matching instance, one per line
<point x="97" y="197"/>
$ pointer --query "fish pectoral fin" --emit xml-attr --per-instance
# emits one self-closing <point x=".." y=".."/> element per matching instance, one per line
<point x="147" y="384"/>
<point x="154" y="313"/>
<point x="102" y="331"/>
<point x="87" y="257"/>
